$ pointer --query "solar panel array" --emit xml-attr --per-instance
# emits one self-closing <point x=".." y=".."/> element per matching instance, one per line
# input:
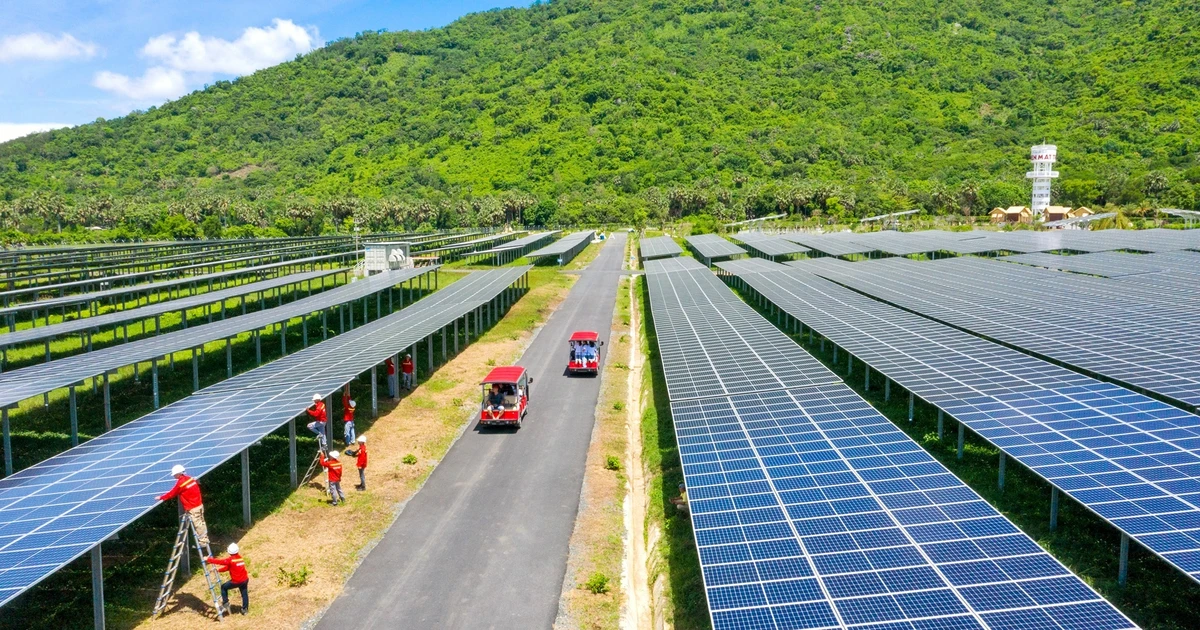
<point x="163" y="285"/>
<point x="1148" y="344"/>
<point x="17" y="385"/>
<point x="57" y="510"/>
<point x="524" y="241"/>
<point x="565" y="244"/>
<point x="1132" y="460"/>
<point x="812" y="510"/>
<point x="712" y="246"/>
<point x="984" y="241"/>
<point x="1116" y="264"/>
<point x="769" y="245"/>
<point x="73" y="326"/>
<point x="659" y="247"/>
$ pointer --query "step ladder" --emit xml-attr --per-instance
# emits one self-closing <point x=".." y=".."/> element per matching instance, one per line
<point x="212" y="578"/>
<point x="314" y="470"/>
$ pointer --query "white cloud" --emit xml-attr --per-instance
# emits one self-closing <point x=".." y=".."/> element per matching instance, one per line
<point x="157" y="84"/>
<point x="43" y="47"/>
<point x="257" y="48"/>
<point x="191" y="60"/>
<point x="8" y="131"/>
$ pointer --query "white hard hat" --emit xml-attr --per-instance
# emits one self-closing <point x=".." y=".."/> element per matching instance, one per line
<point x="176" y="470"/>
<point x="362" y="439"/>
<point x="333" y="454"/>
<point x="353" y="404"/>
<point x="316" y="398"/>
<point x="233" y="548"/>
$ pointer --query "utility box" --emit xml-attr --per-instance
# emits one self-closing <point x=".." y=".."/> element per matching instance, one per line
<point x="384" y="256"/>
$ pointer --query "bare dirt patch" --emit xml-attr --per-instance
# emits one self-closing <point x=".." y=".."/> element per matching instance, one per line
<point x="307" y="532"/>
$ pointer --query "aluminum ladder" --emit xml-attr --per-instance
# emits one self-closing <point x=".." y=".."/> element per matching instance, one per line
<point x="186" y="527"/>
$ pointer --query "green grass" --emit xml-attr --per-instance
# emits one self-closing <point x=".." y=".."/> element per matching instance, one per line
<point x="1157" y="596"/>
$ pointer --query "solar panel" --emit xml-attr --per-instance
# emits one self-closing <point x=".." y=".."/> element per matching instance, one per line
<point x="1149" y="344"/>
<point x="712" y="246"/>
<point x="835" y="244"/>
<point x="524" y="241"/>
<point x="1114" y="264"/>
<point x="55" y="511"/>
<point x="17" y="385"/>
<point x="769" y="245"/>
<point x="659" y="247"/>
<point x="69" y="327"/>
<point x="1132" y="460"/>
<point x="811" y="510"/>
<point x="565" y="244"/>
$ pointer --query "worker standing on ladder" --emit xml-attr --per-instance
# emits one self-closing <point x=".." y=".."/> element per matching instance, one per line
<point x="238" y="578"/>
<point x="407" y="367"/>
<point x="393" y="380"/>
<point x="360" y="462"/>
<point x="333" y="469"/>
<point x="188" y="491"/>
<point x="348" y="407"/>
<point x="317" y="413"/>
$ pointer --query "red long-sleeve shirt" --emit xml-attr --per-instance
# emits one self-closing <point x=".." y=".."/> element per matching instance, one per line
<point x="333" y="468"/>
<point x="188" y="491"/>
<point x="318" y="411"/>
<point x="406" y="365"/>
<point x="391" y="366"/>
<point x="347" y="410"/>
<point x="234" y="564"/>
<point x="361" y="461"/>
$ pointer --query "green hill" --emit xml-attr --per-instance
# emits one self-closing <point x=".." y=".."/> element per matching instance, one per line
<point x="595" y="110"/>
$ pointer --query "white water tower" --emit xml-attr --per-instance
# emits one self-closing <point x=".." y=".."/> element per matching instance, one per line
<point x="1043" y="157"/>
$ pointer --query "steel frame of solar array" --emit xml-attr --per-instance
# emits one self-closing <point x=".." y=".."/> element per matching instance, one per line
<point x="90" y="300"/>
<point x="769" y="246"/>
<point x="1131" y="460"/>
<point x="712" y="246"/>
<point x="208" y="263"/>
<point x="1149" y="345"/>
<point x="508" y="252"/>
<point x="90" y="326"/>
<point x="59" y="509"/>
<point x="658" y="247"/>
<point x="28" y="382"/>
<point x="565" y="249"/>
<point x="448" y="253"/>
<point x="812" y="510"/>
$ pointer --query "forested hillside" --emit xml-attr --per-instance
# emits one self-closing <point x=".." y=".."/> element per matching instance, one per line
<point x="600" y="110"/>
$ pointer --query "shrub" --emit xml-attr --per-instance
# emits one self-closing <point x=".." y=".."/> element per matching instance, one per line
<point x="293" y="579"/>
<point x="409" y="459"/>
<point x="597" y="584"/>
<point x="618" y="405"/>
<point x="612" y="463"/>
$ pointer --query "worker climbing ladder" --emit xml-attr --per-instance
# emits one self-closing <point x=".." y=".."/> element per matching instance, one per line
<point x="314" y="469"/>
<point x="186" y="528"/>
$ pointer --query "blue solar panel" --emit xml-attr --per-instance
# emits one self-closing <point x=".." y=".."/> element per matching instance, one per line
<point x="58" y="509"/>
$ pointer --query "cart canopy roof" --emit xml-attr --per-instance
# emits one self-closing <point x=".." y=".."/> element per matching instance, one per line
<point x="507" y="374"/>
<point x="585" y="335"/>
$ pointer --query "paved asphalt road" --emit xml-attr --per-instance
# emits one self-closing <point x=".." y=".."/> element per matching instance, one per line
<point x="484" y="543"/>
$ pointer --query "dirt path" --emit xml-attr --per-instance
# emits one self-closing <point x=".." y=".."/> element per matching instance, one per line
<point x="635" y="578"/>
<point x="307" y="534"/>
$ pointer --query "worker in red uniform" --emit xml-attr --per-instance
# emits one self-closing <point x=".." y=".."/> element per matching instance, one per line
<point x="360" y="462"/>
<point x="188" y="491"/>
<point x="333" y="470"/>
<point x="238" y="578"/>
<point x="348" y="407"/>
<point x="407" y="367"/>
<point x="317" y="413"/>
<point x="393" y="380"/>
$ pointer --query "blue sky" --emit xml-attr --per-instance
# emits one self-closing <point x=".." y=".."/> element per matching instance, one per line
<point x="65" y="62"/>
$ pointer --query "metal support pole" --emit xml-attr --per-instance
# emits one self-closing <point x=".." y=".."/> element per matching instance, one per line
<point x="154" y="379"/>
<point x="304" y="326"/>
<point x="257" y="349"/>
<point x="324" y="327"/>
<point x="74" y="418"/>
<point x="887" y="389"/>
<point x="8" y="468"/>
<point x="456" y="336"/>
<point x="911" y="399"/>
<point x="195" y="371"/>
<point x="849" y="364"/>
<point x="941" y="424"/>
<point x="444" y="357"/>
<point x="429" y="352"/>
<point x="1053" y="509"/>
<point x="228" y="357"/>
<point x="374" y="394"/>
<point x="97" y="588"/>
<point x="283" y="339"/>
<point x="246" y="487"/>
<point x="1000" y="479"/>
<point x="866" y="378"/>
<point x="1123" y="569"/>
<point x="962" y="431"/>
<point x="292" y="452"/>
<point x="835" y="354"/>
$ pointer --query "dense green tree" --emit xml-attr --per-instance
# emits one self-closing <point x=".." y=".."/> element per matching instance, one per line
<point x="596" y="110"/>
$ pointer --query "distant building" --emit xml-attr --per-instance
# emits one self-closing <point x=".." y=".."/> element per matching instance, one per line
<point x="1079" y="212"/>
<point x="1058" y="213"/>
<point x="1043" y="157"/>
<point x="1012" y="214"/>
